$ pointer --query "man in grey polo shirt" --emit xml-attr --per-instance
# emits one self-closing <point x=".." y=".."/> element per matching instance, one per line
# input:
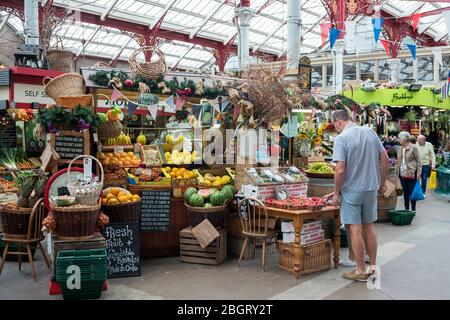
<point x="361" y="171"/>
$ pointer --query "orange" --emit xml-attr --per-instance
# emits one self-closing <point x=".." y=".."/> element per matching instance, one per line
<point x="173" y="175"/>
<point x="136" y="197"/>
<point x="114" y="191"/>
<point x="130" y="154"/>
<point x="123" y="199"/>
<point x="127" y="163"/>
<point x="104" y="201"/>
<point x="130" y="197"/>
<point x="179" y="177"/>
<point x="113" y="201"/>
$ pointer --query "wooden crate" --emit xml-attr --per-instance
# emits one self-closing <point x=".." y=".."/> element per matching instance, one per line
<point x="316" y="256"/>
<point x="97" y="241"/>
<point x="192" y="252"/>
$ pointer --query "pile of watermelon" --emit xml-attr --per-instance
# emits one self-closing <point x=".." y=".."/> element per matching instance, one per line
<point x="207" y="198"/>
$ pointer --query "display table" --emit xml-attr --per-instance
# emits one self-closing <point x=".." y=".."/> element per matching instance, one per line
<point x="298" y="217"/>
<point x="163" y="243"/>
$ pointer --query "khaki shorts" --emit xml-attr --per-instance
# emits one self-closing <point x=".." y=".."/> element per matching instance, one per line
<point x="359" y="207"/>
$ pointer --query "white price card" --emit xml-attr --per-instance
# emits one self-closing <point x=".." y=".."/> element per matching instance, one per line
<point x="187" y="145"/>
<point x="118" y="149"/>
<point x="87" y="169"/>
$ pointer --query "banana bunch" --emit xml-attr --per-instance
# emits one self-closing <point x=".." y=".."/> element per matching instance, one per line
<point x="141" y="139"/>
<point x="123" y="139"/>
<point x="110" y="142"/>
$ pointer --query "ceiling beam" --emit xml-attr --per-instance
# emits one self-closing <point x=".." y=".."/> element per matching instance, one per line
<point x="108" y="9"/>
<point x="87" y="42"/>
<point x="182" y="57"/>
<point x="163" y="13"/>
<point x="205" y="21"/>
<point x="4" y="21"/>
<point x="268" y="37"/>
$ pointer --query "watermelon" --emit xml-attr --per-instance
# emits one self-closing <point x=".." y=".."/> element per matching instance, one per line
<point x="228" y="192"/>
<point x="207" y="205"/>
<point x="217" y="198"/>
<point x="196" y="200"/>
<point x="205" y="193"/>
<point x="188" y="193"/>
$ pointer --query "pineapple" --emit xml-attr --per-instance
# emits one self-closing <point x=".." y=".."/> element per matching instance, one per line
<point x="38" y="191"/>
<point x="26" y="187"/>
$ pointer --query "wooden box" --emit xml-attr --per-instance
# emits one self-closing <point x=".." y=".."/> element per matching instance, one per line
<point x="97" y="241"/>
<point x="71" y="102"/>
<point x="192" y="252"/>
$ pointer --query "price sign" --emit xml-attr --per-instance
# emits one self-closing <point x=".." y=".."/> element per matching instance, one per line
<point x="118" y="149"/>
<point x="155" y="213"/>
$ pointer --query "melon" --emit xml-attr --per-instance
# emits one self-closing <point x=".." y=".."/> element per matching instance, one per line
<point x="196" y="200"/>
<point x="189" y="192"/>
<point x="217" y="198"/>
<point x="228" y="192"/>
<point x="207" y="205"/>
<point x="205" y="193"/>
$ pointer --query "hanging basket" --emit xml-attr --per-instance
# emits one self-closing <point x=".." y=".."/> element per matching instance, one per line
<point x="88" y="195"/>
<point x="109" y="130"/>
<point x="150" y="70"/>
<point x="69" y="84"/>
<point x="15" y="220"/>
<point x="61" y="60"/>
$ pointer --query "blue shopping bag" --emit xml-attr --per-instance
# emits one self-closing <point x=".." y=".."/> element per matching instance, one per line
<point x="417" y="193"/>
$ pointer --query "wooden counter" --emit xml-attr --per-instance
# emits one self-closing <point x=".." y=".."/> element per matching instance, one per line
<point x="163" y="244"/>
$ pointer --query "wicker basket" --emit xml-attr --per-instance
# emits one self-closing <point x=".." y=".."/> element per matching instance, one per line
<point x="401" y="217"/>
<point x="109" y="130"/>
<point x="150" y="70"/>
<point x="316" y="256"/>
<point x="75" y="222"/>
<point x="61" y="60"/>
<point x="85" y="195"/>
<point x="69" y="84"/>
<point x="15" y="220"/>
<point x="124" y="212"/>
<point x="215" y="215"/>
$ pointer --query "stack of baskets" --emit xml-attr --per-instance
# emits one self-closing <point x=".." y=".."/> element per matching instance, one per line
<point x="79" y="221"/>
<point x="93" y="268"/>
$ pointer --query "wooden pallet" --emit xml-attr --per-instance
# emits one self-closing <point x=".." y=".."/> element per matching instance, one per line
<point x="192" y="252"/>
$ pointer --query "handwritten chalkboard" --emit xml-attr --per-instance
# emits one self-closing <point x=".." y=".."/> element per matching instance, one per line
<point x="155" y="213"/>
<point x="69" y="147"/>
<point x="8" y="134"/>
<point x="122" y="247"/>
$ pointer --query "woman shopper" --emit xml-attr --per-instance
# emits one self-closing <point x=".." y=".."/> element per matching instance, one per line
<point x="408" y="168"/>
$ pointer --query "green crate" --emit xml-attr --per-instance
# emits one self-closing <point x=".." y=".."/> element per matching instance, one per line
<point x="92" y="264"/>
<point x="88" y="290"/>
<point x="401" y="217"/>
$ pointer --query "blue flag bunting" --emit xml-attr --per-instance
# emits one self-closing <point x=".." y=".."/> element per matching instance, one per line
<point x="334" y="34"/>
<point x="377" y="24"/>
<point x="412" y="49"/>
<point x="131" y="108"/>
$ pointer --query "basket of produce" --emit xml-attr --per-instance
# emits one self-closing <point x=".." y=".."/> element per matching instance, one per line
<point x="15" y="220"/>
<point x="7" y="182"/>
<point x="68" y="84"/>
<point x="210" y="204"/>
<point x="75" y="221"/>
<point x="121" y="206"/>
<point x="150" y="70"/>
<point x="115" y="176"/>
<point x="401" y="217"/>
<point x="122" y="159"/>
<point x="320" y="170"/>
<point x="86" y="192"/>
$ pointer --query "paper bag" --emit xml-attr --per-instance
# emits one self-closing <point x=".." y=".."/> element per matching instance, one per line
<point x="205" y="233"/>
<point x="390" y="187"/>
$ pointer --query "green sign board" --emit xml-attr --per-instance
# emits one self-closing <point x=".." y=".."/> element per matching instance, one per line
<point x="399" y="97"/>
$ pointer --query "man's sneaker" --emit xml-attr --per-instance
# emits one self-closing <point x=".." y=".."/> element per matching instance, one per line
<point x="362" y="277"/>
<point x="346" y="262"/>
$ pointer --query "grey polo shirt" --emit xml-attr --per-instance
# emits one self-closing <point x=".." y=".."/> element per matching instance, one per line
<point x="360" y="148"/>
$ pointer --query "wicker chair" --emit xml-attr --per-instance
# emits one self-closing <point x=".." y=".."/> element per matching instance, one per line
<point x="254" y="219"/>
<point x="33" y="239"/>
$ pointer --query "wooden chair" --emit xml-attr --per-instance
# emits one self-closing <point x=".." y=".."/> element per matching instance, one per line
<point x="33" y="239"/>
<point x="254" y="219"/>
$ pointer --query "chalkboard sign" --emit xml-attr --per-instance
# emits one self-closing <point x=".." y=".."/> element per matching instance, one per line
<point x="155" y="213"/>
<point x="69" y="147"/>
<point x="8" y="134"/>
<point x="122" y="247"/>
<point x="63" y="191"/>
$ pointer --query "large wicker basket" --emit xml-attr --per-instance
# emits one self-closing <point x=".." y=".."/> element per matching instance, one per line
<point x="150" y="70"/>
<point x="316" y="256"/>
<point x="76" y="222"/>
<point x="61" y="60"/>
<point x="69" y="84"/>
<point x="15" y="220"/>
<point x="109" y="130"/>
<point x="124" y="212"/>
<point x="215" y="215"/>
